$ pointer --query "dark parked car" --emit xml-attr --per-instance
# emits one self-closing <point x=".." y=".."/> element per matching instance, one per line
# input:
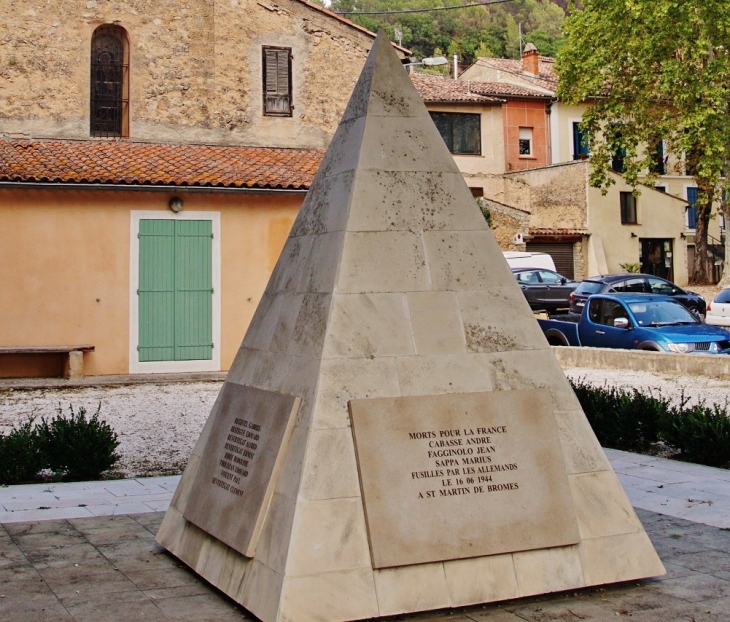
<point x="629" y="283"/>
<point x="544" y="289"/>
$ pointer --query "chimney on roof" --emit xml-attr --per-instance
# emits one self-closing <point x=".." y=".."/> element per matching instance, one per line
<point x="531" y="60"/>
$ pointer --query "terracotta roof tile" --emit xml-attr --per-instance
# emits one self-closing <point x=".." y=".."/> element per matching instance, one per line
<point x="434" y="89"/>
<point x="557" y="231"/>
<point x="121" y="162"/>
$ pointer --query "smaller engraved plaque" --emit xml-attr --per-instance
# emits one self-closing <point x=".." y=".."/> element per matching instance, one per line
<point x="461" y="475"/>
<point x="237" y="474"/>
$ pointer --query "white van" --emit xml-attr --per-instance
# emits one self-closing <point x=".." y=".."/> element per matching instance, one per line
<point x="518" y="259"/>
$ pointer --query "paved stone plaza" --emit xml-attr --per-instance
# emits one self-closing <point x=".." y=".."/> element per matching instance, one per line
<point x="94" y="555"/>
<point x="109" y="568"/>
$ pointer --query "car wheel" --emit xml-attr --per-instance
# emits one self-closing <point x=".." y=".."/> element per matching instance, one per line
<point x="697" y="313"/>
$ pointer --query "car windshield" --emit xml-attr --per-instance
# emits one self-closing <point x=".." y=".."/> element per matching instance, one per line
<point x="589" y="287"/>
<point x="661" y="313"/>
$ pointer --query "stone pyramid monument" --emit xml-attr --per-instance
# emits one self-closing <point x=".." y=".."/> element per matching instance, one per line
<point x="395" y="434"/>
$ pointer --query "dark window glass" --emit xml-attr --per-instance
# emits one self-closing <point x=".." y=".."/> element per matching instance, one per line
<point x="630" y="285"/>
<point x="580" y="143"/>
<point x="594" y="310"/>
<point x="546" y="276"/>
<point x="589" y="287"/>
<point x="617" y="162"/>
<point x="525" y="146"/>
<point x="277" y="81"/>
<point x="611" y="311"/>
<point x="659" y="161"/>
<point x="528" y="277"/>
<point x="660" y="188"/>
<point x="692" y="209"/>
<point x="477" y="192"/>
<point x="108" y="73"/>
<point x="461" y="132"/>
<point x="658" y="286"/>
<point x="628" y="209"/>
<point x="723" y="296"/>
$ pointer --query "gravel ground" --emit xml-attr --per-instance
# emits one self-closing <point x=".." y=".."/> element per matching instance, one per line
<point x="158" y="425"/>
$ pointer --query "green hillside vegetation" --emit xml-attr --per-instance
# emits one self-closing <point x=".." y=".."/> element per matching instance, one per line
<point x="469" y="32"/>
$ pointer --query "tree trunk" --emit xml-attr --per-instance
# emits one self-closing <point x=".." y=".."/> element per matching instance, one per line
<point x="700" y="274"/>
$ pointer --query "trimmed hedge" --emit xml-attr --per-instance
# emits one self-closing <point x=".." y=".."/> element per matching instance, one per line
<point x="68" y="447"/>
<point x="634" y="421"/>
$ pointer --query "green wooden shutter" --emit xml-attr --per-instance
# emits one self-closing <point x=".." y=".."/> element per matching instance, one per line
<point x="175" y="290"/>
<point x="193" y="290"/>
<point x="156" y="290"/>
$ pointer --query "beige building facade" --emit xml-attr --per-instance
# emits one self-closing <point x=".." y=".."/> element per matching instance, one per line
<point x="603" y="231"/>
<point x="70" y="264"/>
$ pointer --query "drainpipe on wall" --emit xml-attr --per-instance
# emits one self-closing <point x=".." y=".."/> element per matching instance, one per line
<point x="456" y="67"/>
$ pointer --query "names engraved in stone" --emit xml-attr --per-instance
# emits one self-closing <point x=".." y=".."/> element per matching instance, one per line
<point x="466" y="464"/>
<point x="461" y="475"/>
<point x="238" y="468"/>
<point x="238" y="454"/>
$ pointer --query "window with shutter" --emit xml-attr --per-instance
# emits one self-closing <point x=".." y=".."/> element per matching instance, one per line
<point x="277" y="81"/>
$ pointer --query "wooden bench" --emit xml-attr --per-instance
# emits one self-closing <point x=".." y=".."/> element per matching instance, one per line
<point x="74" y="367"/>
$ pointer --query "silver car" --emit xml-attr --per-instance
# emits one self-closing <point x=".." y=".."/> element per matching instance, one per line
<point x="718" y="311"/>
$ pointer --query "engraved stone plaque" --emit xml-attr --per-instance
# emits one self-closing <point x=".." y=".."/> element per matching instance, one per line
<point x="461" y="475"/>
<point x="234" y="484"/>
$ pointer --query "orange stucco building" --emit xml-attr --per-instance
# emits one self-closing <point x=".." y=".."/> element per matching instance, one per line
<point x="72" y="256"/>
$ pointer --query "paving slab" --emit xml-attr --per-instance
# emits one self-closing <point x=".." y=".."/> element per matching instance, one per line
<point x="110" y="568"/>
<point x="64" y="563"/>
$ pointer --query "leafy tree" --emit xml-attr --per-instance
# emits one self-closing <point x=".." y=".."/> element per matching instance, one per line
<point x="469" y="32"/>
<point x="653" y="69"/>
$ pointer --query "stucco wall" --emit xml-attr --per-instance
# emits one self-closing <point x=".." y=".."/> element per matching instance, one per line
<point x="491" y="161"/>
<point x="527" y="114"/>
<point x="195" y="72"/>
<point x="562" y="117"/>
<point x="74" y="249"/>
<point x="659" y="216"/>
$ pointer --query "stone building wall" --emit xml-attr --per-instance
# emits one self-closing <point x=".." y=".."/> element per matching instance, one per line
<point x="506" y="222"/>
<point x="195" y="69"/>
<point x="556" y="196"/>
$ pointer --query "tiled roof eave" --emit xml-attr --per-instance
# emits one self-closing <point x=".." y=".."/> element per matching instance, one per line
<point x="127" y="164"/>
<point x="147" y="185"/>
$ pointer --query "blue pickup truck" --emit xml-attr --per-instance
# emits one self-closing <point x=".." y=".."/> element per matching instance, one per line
<point x="637" y="321"/>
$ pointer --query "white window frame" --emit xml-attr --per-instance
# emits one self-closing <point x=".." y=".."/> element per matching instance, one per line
<point x="156" y="367"/>
<point x="571" y="121"/>
<point x="526" y="133"/>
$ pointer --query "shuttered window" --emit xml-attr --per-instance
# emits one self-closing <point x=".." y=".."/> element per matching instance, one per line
<point x="692" y="208"/>
<point x="277" y="81"/>
<point x="175" y="290"/>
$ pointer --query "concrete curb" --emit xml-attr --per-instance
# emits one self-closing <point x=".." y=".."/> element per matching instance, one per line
<point x="711" y="365"/>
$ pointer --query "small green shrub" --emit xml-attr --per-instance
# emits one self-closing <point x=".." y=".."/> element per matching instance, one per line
<point x="77" y="448"/>
<point x="630" y="267"/>
<point x="21" y="455"/>
<point x="633" y="421"/>
<point x="620" y="419"/>
<point x="701" y="433"/>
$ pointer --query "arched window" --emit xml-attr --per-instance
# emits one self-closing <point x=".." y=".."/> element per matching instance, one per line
<point x="109" y="113"/>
